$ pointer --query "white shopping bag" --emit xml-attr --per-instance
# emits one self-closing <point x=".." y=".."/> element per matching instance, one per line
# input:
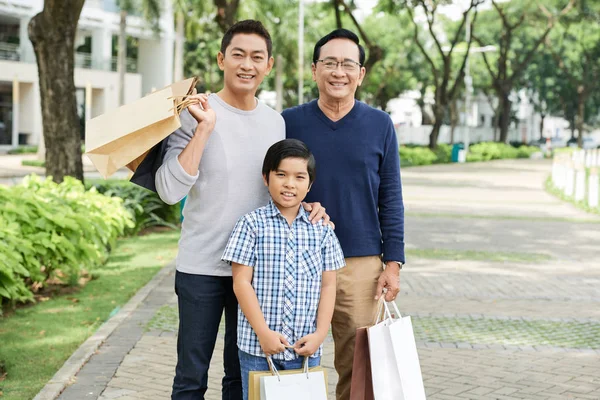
<point x="303" y="385"/>
<point x="395" y="366"/>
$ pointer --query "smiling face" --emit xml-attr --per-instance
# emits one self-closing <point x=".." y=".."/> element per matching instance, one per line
<point x="289" y="184"/>
<point x="338" y="84"/>
<point x="245" y="63"/>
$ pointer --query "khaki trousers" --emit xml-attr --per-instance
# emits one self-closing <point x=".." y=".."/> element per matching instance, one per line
<point x="355" y="307"/>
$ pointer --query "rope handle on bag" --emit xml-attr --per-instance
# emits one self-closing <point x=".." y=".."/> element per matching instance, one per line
<point x="383" y="311"/>
<point x="180" y="103"/>
<point x="276" y="373"/>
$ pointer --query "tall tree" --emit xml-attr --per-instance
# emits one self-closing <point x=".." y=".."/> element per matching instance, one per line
<point x="516" y="48"/>
<point x="52" y="33"/>
<point x="374" y="52"/>
<point x="226" y="13"/>
<point x="576" y="49"/>
<point x="399" y="70"/>
<point x="542" y="81"/>
<point x="446" y="79"/>
<point x="150" y="10"/>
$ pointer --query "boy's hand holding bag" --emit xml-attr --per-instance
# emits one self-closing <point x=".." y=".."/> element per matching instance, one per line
<point x="295" y="384"/>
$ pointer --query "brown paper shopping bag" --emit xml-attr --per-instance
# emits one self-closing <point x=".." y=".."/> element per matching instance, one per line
<point x="361" y="386"/>
<point x="124" y="136"/>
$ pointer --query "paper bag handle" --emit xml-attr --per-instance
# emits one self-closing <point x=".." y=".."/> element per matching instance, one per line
<point x="383" y="311"/>
<point x="276" y="373"/>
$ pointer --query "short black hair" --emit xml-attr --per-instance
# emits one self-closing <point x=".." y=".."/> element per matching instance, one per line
<point x="339" y="34"/>
<point x="289" y="148"/>
<point x="248" y="26"/>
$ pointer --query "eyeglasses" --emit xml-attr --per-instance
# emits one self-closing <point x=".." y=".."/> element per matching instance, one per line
<point x="347" y="65"/>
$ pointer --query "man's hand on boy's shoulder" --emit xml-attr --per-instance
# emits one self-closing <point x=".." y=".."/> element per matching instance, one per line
<point x="317" y="212"/>
<point x="272" y="342"/>
<point x="309" y="344"/>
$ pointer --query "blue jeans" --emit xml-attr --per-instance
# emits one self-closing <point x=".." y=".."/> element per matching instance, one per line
<point x="248" y="363"/>
<point x="201" y="300"/>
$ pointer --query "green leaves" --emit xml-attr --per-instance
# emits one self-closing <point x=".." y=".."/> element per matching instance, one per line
<point x="50" y="230"/>
<point x="145" y="207"/>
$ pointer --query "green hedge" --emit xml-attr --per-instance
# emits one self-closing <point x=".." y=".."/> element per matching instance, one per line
<point x="413" y="155"/>
<point x="54" y="231"/>
<point x="145" y="206"/>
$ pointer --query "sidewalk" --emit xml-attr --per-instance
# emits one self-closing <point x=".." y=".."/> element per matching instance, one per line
<point x="12" y="170"/>
<point x="524" y="328"/>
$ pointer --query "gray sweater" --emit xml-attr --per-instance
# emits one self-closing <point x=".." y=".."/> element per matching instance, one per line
<point x="228" y="183"/>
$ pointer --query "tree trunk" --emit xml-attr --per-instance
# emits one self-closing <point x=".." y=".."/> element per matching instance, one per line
<point x="122" y="56"/>
<point x="338" y="16"/>
<point x="505" y="108"/>
<point x="580" y="118"/>
<point x="279" y="82"/>
<point x="226" y="13"/>
<point x="435" y="133"/>
<point x="453" y="120"/>
<point x="52" y="33"/>
<point x="437" y="125"/>
<point x="179" y="41"/>
<point x="543" y="116"/>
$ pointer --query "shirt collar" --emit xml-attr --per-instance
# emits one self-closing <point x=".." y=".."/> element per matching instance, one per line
<point x="273" y="211"/>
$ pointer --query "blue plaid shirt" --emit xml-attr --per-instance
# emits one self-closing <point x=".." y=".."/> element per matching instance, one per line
<point x="288" y="263"/>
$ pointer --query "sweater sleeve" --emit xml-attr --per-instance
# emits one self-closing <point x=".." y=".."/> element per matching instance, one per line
<point x="172" y="182"/>
<point x="391" y="205"/>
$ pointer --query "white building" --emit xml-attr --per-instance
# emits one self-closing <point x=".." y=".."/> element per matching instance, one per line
<point x="477" y="126"/>
<point x="95" y="77"/>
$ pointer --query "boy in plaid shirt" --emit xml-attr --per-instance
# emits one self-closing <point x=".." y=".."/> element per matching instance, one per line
<point x="284" y="269"/>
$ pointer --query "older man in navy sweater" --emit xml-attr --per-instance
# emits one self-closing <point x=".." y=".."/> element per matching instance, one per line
<point x="356" y="149"/>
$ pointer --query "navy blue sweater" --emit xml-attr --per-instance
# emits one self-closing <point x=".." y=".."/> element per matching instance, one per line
<point x="358" y="176"/>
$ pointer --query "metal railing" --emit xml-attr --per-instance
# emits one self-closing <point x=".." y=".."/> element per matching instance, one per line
<point x="85" y="60"/>
<point x="131" y="64"/>
<point x="10" y="52"/>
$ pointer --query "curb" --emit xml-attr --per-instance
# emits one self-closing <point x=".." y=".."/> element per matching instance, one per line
<point x="66" y="374"/>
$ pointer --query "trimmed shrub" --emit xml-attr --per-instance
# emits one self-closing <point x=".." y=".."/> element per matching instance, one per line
<point x="527" y="151"/>
<point x="416" y="156"/>
<point x="54" y="231"/>
<point x="443" y="152"/>
<point x="146" y="208"/>
<point x="491" y="151"/>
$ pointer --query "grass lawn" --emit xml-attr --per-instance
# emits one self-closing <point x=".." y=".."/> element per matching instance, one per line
<point x="36" y="340"/>
<point x="33" y="163"/>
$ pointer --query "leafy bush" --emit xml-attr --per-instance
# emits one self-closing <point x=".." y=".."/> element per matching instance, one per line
<point x="491" y="151"/>
<point x="24" y="150"/>
<point x="54" y="231"/>
<point x="416" y="156"/>
<point x="443" y="152"/>
<point x="146" y="208"/>
<point x="527" y="151"/>
<point x="33" y="163"/>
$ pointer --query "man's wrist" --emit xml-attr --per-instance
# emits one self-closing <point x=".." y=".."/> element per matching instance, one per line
<point x="394" y="264"/>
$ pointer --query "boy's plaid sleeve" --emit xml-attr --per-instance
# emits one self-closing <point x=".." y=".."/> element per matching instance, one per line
<point x="332" y="255"/>
<point x="241" y="245"/>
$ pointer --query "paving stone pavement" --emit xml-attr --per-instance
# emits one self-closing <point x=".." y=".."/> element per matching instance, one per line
<point x="485" y="330"/>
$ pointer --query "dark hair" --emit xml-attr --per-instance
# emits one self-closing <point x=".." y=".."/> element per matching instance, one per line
<point x="339" y="34"/>
<point x="288" y="148"/>
<point x="248" y="26"/>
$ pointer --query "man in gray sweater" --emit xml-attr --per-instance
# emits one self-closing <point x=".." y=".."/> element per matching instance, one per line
<point x="215" y="158"/>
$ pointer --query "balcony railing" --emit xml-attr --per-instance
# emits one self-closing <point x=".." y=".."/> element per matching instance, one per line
<point x="9" y="52"/>
<point x="85" y="60"/>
